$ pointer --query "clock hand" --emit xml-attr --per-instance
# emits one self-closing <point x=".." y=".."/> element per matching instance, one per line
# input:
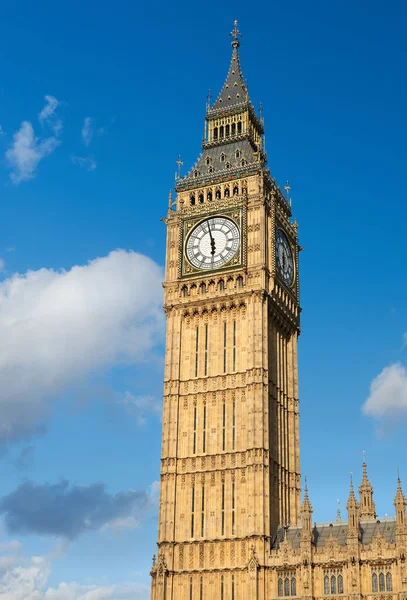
<point x="212" y="240"/>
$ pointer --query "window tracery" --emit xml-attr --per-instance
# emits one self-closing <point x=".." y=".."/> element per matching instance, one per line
<point x="333" y="582"/>
<point x="287" y="584"/>
<point x="382" y="580"/>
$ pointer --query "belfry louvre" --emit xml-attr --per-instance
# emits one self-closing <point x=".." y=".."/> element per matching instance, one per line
<point x="231" y="522"/>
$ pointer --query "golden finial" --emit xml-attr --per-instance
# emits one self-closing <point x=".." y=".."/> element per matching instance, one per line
<point x="179" y="163"/>
<point x="287" y="187"/>
<point x="235" y="35"/>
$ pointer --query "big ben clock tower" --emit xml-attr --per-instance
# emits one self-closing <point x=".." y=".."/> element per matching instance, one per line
<point x="230" y="465"/>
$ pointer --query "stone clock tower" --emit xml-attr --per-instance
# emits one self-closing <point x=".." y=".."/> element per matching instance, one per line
<point x="230" y="465"/>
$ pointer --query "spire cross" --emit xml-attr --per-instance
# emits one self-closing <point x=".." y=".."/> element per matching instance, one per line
<point x="235" y="35"/>
<point x="179" y="163"/>
<point x="287" y="187"/>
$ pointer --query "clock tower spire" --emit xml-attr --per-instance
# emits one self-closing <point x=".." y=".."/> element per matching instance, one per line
<point x="230" y="472"/>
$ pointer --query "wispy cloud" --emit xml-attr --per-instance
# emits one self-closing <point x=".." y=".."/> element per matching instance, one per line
<point x="48" y="116"/>
<point x="86" y="162"/>
<point x="87" y="131"/>
<point x="388" y="394"/>
<point x="141" y="406"/>
<point x="27" y="151"/>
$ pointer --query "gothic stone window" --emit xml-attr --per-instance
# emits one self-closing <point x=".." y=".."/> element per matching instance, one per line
<point x="287" y="584"/>
<point x="382" y="580"/>
<point x="333" y="582"/>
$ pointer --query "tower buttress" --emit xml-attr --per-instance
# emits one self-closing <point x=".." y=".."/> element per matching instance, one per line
<point x="367" y="505"/>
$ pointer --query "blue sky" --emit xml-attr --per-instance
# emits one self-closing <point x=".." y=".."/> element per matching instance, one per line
<point x="96" y="102"/>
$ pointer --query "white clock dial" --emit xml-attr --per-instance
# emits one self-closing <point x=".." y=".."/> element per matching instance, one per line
<point x="213" y="243"/>
<point x="284" y="258"/>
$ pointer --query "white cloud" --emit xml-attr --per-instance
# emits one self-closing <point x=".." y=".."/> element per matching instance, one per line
<point x="141" y="406"/>
<point x="27" y="151"/>
<point x="25" y="582"/>
<point x="47" y="115"/>
<point x="87" y="131"/>
<point x="58" y="327"/>
<point x="75" y="591"/>
<point x="388" y="393"/>
<point x="86" y="162"/>
<point x="26" y="579"/>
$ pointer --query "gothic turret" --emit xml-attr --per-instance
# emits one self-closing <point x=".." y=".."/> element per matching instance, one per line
<point x="400" y="504"/>
<point x="352" y="507"/>
<point x="367" y="506"/>
<point x="306" y="513"/>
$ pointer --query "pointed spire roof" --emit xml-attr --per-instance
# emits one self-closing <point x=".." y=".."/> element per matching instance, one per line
<point x="365" y="485"/>
<point x="400" y="499"/>
<point x="234" y="90"/>
<point x="352" y="502"/>
<point x="367" y="506"/>
<point x="306" y="504"/>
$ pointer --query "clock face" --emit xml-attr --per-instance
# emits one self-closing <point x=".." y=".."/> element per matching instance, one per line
<point x="284" y="258"/>
<point x="213" y="243"/>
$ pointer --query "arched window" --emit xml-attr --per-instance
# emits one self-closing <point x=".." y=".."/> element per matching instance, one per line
<point x="190" y="588"/>
<point x="233" y="587"/>
<point x="238" y="153"/>
<point x="333" y="584"/>
<point x="244" y="191"/>
<point x="389" y="582"/>
<point x="185" y="291"/>
<point x="215" y="133"/>
<point x="340" y="584"/>
<point x="211" y="169"/>
<point x="209" y="196"/>
<point x="227" y="192"/>
<point x="227" y="130"/>
<point x="286" y="587"/>
<point x="221" y="285"/>
<point x="239" y="281"/>
<point x="243" y="163"/>
<point x="239" y="127"/>
<point x="222" y="157"/>
<point x="221" y="132"/>
<point x="374" y="583"/>
<point x="228" y="165"/>
<point x="202" y="288"/>
<point x="221" y="588"/>
<point x="201" y="589"/>
<point x="208" y="160"/>
<point x="381" y="582"/>
<point x="235" y="191"/>
<point x="217" y="194"/>
<point x="293" y="586"/>
<point x="201" y="198"/>
<point x="280" y="586"/>
<point x="196" y="173"/>
<point x="233" y="128"/>
<point x="326" y="585"/>
<point x="192" y="200"/>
